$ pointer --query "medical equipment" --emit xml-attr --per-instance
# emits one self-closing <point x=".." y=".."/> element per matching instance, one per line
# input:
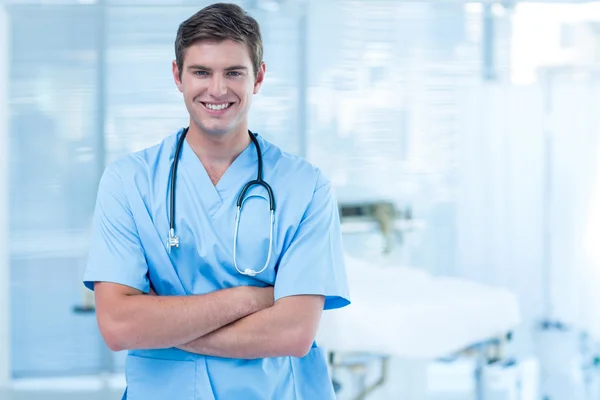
<point x="406" y="317"/>
<point x="406" y="313"/>
<point x="173" y="240"/>
<point x="413" y="314"/>
<point x="393" y="224"/>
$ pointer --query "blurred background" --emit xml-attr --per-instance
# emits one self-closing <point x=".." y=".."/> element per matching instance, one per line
<point x="462" y="141"/>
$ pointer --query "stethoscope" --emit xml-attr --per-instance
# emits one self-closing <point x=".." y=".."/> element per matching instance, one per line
<point x="173" y="240"/>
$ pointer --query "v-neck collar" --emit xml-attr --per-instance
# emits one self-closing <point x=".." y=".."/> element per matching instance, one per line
<point x="243" y="169"/>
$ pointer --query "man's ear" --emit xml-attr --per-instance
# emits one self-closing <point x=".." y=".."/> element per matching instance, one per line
<point x="177" y="77"/>
<point x="260" y="77"/>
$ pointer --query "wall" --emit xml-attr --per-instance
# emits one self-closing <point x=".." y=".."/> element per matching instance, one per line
<point x="4" y="256"/>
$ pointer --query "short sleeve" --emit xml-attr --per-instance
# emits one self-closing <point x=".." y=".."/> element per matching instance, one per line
<point x="314" y="261"/>
<point x="116" y="253"/>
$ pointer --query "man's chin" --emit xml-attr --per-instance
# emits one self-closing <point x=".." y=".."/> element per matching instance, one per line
<point x="216" y="130"/>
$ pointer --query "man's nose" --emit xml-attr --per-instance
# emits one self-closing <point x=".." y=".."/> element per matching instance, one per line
<point x="217" y="86"/>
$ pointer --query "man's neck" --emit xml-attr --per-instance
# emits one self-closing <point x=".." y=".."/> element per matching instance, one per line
<point x="217" y="153"/>
<point x="218" y="150"/>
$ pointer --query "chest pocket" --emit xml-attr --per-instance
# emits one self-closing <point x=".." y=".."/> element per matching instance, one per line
<point x="155" y="379"/>
<point x="254" y="234"/>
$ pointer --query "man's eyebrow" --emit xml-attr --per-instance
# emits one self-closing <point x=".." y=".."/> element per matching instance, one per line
<point x="232" y="68"/>
<point x="199" y="67"/>
<point x="236" y="67"/>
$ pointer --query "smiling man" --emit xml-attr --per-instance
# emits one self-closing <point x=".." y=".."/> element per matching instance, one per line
<point x="214" y="252"/>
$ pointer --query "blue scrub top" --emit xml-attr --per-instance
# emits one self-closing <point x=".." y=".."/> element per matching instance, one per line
<point x="131" y="225"/>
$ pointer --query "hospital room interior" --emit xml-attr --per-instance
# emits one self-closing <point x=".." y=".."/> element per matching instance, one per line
<point x="461" y="139"/>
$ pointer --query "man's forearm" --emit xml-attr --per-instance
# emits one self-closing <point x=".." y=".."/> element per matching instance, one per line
<point x="146" y="322"/>
<point x="282" y="330"/>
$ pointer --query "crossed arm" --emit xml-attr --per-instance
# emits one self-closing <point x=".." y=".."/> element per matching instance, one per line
<point x="287" y="328"/>
<point x="241" y="322"/>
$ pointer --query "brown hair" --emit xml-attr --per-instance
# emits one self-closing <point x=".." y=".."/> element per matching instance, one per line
<point x="219" y="22"/>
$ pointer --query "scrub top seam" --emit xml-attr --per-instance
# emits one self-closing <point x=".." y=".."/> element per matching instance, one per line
<point x="293" y="378"/>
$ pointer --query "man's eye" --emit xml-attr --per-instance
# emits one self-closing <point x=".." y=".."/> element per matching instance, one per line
<point x="200" y="73"/>
<point x="234" y="73"/>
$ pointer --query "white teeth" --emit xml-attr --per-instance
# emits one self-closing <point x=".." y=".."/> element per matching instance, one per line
<point x="216" y="107"/>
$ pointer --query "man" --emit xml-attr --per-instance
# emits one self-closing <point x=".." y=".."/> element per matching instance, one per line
<point x="212" y="304"/>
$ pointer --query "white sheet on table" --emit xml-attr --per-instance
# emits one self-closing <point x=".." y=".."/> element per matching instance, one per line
<point x="408" y="313"/>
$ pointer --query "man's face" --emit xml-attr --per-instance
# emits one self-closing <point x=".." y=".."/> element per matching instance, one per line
<point x="217" y="82"/>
